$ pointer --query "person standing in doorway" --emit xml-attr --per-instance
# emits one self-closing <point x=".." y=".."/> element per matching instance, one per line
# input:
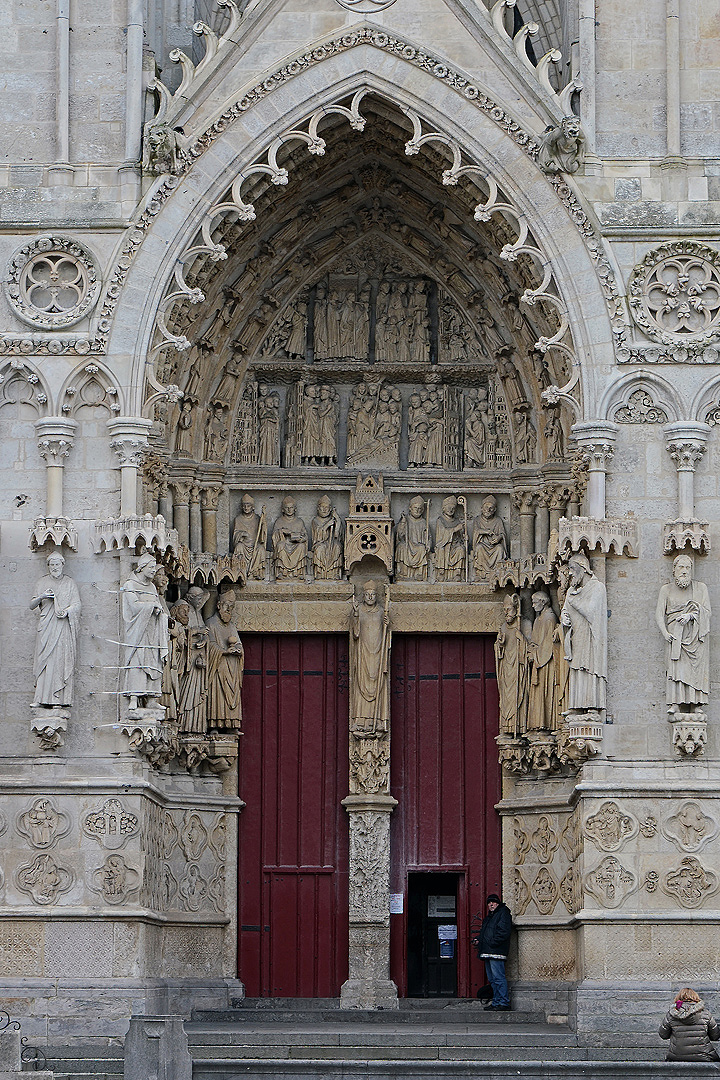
<point x="493" y="945"/>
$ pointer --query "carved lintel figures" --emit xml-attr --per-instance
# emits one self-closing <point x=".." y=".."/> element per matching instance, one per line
<point x="290" y="543"/>
<point x="57" y="601"/>
<point x="451" y="542"/>
<point x="327" y="549"/>
<point x="249" y="538"/>
<point x="145" y="630"/>
<point x="683" y="618"/>
<point x="413" y="542"/>
<point x="489" y="540"/>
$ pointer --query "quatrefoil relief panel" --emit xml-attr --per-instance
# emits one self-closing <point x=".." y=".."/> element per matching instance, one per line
<point x="53" y="282"/>
<point x="675" y="293"/>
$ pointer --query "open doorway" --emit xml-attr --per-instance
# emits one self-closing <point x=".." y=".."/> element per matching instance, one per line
<point x="432" y="935"/>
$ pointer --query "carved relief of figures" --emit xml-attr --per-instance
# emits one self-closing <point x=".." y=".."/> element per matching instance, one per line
<point x="145" y="635"/>
<point x="192" y="707"/>
<point x="413" y="542"/>
<point x="296" y="343"/>
<point x="683" y="618"/>
<point x="216" y="432"/>
<point x="369" y="663"/>
<point x="178" y="658"/>
<point x="489" y="540"/>
<point x="320" y="321"/>
<point x="226" y="660"/>
<point x="455" y="335"/>
<point x="289" y="542"/>
<point x="584" y="618"/>
<point x="369" y="766"/>
<point x="57" y="601"/>
<point x="546" y="666"/>
<point x="374" y="424"/>
<point x="418" y="428"/>
<point x="341" y="323"/>
<point x="477" y="429"/>
<point x="554" y="436"/>
<point x="268" y="411"/>
<point x="167" y="699"/>
<point x="525" y="438"/>
<point x="511" y="654"/>
<point x="320" y="407"/>
<point x="327" y="549"/>
<point x="418" y="322"/>
<point x="451" y="541"/>
<point x="186" y="426"/>
<point x="249" y="538"/>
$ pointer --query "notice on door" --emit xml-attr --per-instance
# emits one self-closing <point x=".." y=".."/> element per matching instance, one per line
<point x="447" y="932"/>
<point x="396" y="903"/>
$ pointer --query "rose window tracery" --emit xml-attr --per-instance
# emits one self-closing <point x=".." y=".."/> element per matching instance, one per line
<point x="675" y="293"/>
<point x="52" y="282"/>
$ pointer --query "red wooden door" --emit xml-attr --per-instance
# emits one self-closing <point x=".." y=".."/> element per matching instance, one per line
<point x="446" y="778"/>
<point x="293" y="857"/>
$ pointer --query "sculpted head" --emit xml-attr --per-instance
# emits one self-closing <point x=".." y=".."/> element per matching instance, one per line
<point x="417" y="506"/>
<point x="197" y="597"/>
<point x="579" y="567"/>
<point x="683" y="571"/>
<point x="370" y="593"/>
<point x="147" y="568"/>
<point x="55" y="564"/>
<point x="511" y="607"/>
<point x="449" y="506"/>
<point x="489" y="507"/>
<point x="288" y="506"/>
<point x="540" y="600"/>
<point x="571" y="127"/>
<point x="226" y="606"/>
<point x="161" y="580"/>
<point x="181" y="612"/>
<point x="324" y="506"/>
<point x="247" y="504"/>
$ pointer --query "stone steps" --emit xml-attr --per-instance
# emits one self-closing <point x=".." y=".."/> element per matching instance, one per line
<point x="399" y="1069"/>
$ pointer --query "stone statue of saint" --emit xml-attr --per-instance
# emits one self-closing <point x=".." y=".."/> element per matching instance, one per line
<point x="327" y="550"/>
<point x="369" y="660"/>
<point x="683" y="618"/>
<point x="584" y="617"/>
<point x="226" y="661"/>
<point x="476" y="430"/>
<point x="489" y="540"/>
<point x="192" y="707"/>
<point x="412" y="543"/>
<point x="145" y="635"/>
<point x="179" y="619"/>
<point x="268" y="408"/>
<point x="249" y="538"/>
<point x="57" y="602"/>
<point x="511" y="655"/>
<point x="450" y="543"/>
<point x="546" y="668"/>
<point x="290" y="542"/>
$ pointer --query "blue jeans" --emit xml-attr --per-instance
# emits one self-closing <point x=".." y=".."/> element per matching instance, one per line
<point x="496" y="975"/>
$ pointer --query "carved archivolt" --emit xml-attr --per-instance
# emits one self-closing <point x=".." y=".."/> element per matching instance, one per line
<point x="52" y="282"/>
<point x="690" y="829"/>
<point x="691" y="883"/>
<point x="609" y="828"/>
<point x="675" y="294"/>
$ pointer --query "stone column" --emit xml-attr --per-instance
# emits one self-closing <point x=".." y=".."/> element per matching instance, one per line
<point x="369" y="805"/>
<point x="542" y="522"/>
<point x="686" y="443"/>
<point x="165" y="506"/>
<point x="525" y="500"/>
<point x="55" y="436"/>
<point x="195" y="520"/>
<point x="596" y="438"/>
<point x="558" y="505"/>
<point x="181" y="510"/>
<point x="129" y="440"/>
<point x="210" y="497"/>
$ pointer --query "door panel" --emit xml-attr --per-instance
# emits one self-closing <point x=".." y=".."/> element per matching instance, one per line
<point x="292" y="870"/>
<point x="446" y="778"/>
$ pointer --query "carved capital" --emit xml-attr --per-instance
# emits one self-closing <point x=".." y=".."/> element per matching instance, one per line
<point x="596" y="441"/>
<point x="524" y="501"/>
<point x="128" y="438"/>
<point x="182" y="490"/>
<point x="686" y="442"/>
<point x="210" y="496"/>
<point x="194" y="495"/>
<point x="55" y="437"/>
<point x="689" y="733"/>
<point x="685" y="454"/>
<point x="129" y="449"/>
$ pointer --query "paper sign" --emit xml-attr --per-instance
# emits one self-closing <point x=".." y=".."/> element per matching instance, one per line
<point x="447" y="932"/>
<point x="396" y="903"/>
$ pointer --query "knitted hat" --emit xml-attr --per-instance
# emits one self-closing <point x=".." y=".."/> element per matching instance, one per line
<point x="493" y="898"/>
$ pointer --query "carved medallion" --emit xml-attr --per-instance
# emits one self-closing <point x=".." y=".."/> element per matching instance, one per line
<point x="169" y="834"/>
<point x="111" y="825"/>
<point x="649" y="826"/>
<point x="42" y="824"/>
<point x="44" y="880"/>
<point x="609" y="828"/>
<point x="522" y="842"/>
<point x="690" y="829"/>
<point x="690" y="883"/>
<point x="193" y="889"/>
<point x="115" y="880"/>
<point x="52" y="282"/>
<point x="193" y="837"/>
<point x="571" y="890"/>
<point x="545" y="891"/>
<point x="544" y="840"/>
<point x="571" y="836"/>
<point x="216" y="889"/>
<point x="522" y="893"/>
<point x="218" y="835"/>
<point x="675" y="293"/>
<point x="610" y="882"/>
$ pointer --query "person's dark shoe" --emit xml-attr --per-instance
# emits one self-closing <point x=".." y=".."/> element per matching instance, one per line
<point x="491" y="1006"/>
<point x="499" y="1008"/>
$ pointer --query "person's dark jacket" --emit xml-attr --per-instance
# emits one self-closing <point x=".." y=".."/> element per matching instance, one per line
<point x="690" y="1027"/>
<point x="493" y="938"/>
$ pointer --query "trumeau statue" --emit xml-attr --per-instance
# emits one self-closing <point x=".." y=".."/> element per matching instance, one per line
<point x="192" y="707"/>
<point x="225" y="667"/>
<point x="290" y="542"/>
<point x="450" y="543"/>
<point x="327" y="549"/>
<point x="145" y="635"/>
<point x="370" y="653"/>
<point x="511" y="654"/>
<point x="57" y="601"/>
<point x="683" y="618"/>
<point x="249" y="538"/>
<point x="413" y="543"/>
<point x="584" y="618"/>
<point x="489" y="540"/>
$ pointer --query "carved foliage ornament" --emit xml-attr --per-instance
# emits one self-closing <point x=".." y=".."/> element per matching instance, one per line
<point x="52" y="282"/>
<point x="640" y="409"/>
<point x="675" y="293"/>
